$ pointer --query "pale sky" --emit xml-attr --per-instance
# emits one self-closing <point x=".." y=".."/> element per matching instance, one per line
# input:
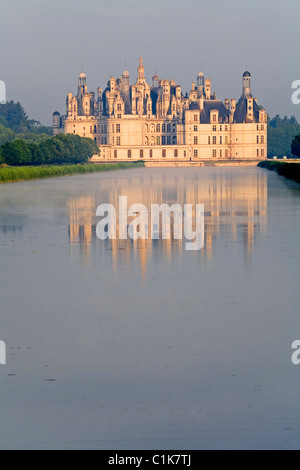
<point x="46" y="43"/>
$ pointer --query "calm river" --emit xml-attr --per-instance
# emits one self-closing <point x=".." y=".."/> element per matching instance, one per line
<point x="142" y="344"/>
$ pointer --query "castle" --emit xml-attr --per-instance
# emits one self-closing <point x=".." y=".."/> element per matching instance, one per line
<point x="159" y="124"/>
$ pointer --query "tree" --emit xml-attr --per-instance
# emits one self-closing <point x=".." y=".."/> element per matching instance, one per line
<point x="281" y="133"/>
<point x="295" y="148"/>
<point x="6" y="135"/>
<point x="16" y="153"/>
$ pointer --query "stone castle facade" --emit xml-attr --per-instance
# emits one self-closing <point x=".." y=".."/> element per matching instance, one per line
<point x="158" y="123"/>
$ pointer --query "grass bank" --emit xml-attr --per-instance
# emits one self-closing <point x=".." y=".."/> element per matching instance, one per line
<point x="26" y="173"/>
<point x="289" y="170"/>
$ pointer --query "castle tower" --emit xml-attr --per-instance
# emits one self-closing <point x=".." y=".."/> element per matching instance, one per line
<point x="82" y="87"/>
<point x="141" y="71"/>
<point x="125" y="78"/>
<point x="246" y="92"/>
<point x="155" y="81"/>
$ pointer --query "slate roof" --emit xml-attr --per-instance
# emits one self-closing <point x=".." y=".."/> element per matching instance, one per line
<point x="240" y="114"/>
<point x="208" y="106"/>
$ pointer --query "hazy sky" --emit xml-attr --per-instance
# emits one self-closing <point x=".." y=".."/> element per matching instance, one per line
<point x="44" y="44"/>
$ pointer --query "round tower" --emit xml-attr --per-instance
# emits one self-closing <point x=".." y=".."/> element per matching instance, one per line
<point x="247" y="84"/>
<point x="125" y="77"/>
<point x="155" y="81"/>
<point x="56" y="122"/>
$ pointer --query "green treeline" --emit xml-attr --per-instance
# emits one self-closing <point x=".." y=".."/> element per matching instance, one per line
<point x="13" y="117"/>
<point x="289" y="170"/>
<point x="25" y="173"/>
<point x="281" y="133"/>
<point x="59" y="150"/>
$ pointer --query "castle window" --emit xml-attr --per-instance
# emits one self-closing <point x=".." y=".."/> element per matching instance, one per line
<point x="195" y="118"/>
<point x="209" y="140"/>
<point x="141" y="153"/>
<point x="226" y="128"/>
<point x="174" y="140"/>
<point x="118" y="128"/>
<point x="115" y="153"/>
<point x="163" y="128"/>
<point x="220" y="128"/>
<point x="262" y="153"/>
<point x="119" y="116"/>
<point x="257" y="139"/>
<point x="195" y="140"/>
<point x="113" y="128"/>
<point x="220" y="153"/>
<point x="169" y="128"/>
<point x="151" y="153"/>
<point x="174" y="127"/>
<point x="163" y="140"/>
<point x="257" y="127"/>
<point x="119" y="107"/>
<point x="74" y="131"/>
<point x="195" y="128"/>
<point x="262" y="127"/>
<point x="184" y="153"/>
<point x="168" y="140"/>
<point x="129" y="153"/>
<point x="214" y="153"/>
<point x="257" y="152"/>
<point x="226" y="153"/>
<point x="262" y="139"/>
<point x="175" y="153"/>
<point x="195" y="153"/>
<point x="220" y="140"/>
<point x="158" y="140"/>
<point x="91" y="129"/>
<point x="226" y="139"/>
<point x="164" y="153"/>
<point x="214" y="140"/>
<point x="214" y="117"/>
<point x="214" y="128"/>
<point x="157" y="127"/>
<point x="118" y="141"/>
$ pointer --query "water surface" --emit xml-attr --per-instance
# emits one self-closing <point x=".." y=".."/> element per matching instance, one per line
<point x="131" y="345"/>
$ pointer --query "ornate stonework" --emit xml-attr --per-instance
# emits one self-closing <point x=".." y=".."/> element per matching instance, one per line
<point x="158" y="123"/>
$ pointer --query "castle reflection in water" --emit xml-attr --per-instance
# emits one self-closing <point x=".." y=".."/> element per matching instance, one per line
<point x="235" y="204"/>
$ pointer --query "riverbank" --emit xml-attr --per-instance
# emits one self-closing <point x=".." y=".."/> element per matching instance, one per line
<point x="288" y="170"/>
<point x="26" y="173"/>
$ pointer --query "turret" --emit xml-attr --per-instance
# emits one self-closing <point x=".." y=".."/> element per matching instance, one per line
<point x="141" y="71"/>
<point x="207" y="88"/>
<point x="246" y="92"/>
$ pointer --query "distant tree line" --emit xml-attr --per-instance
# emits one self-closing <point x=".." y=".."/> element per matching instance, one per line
<point x="59" y="150"/>
<point x="14" y="117"/>
<point x="281" y="133"/>
<point x="24" y="141"/>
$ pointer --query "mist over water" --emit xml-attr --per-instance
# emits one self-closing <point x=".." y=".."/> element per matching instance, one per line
<point x="142" y="344"/>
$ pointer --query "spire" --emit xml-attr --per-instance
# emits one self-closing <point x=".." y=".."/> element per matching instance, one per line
<point x="141" y="70"/>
